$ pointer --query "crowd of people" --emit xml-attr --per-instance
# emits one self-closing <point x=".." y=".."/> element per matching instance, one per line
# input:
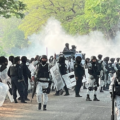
<point x="21" y="71"/>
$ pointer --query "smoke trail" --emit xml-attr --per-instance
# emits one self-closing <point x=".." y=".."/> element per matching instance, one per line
<point x="54" y="37"/>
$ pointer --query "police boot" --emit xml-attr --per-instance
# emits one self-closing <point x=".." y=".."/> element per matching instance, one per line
<point x="95" y="98"/>
<point x="57" y="93"/>
<point x="101" y="89"/>
<point x="39" y="106"/>
<point x="61" y="92"/>
<point x="23" y="101"/>
<point x="88" y="98"/>
<point x="15" y="101"/>
<point x="44" y="107"/>
<point x="66" y="94"/>
<point x="78" y="96"/>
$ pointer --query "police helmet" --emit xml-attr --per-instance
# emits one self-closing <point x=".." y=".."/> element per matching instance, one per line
<point x="44" y="57"/>
<point x="99" y="56"/>
<point x="93" y="58"/>
<point x="112" y="59"/>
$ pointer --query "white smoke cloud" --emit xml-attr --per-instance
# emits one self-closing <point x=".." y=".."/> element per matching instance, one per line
<point x="54" y="37"/>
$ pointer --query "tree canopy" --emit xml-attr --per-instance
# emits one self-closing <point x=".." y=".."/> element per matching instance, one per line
<point x="76" y="16"/>
<point x="10" y="8"/>
<point x="10" y="36"/>
<point x="39" y="11"/>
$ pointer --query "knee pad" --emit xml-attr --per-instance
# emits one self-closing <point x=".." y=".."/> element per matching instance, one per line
<point x="90" y="88"/>
<point x="95" y="88"/>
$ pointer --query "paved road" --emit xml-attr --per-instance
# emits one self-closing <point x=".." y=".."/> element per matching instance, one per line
<point x="60" y="108"/>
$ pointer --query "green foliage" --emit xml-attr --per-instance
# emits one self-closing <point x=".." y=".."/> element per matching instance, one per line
<point x="10" y="8"/>
<point x="102" y="15"/>
<point x="76" y="16"/>
<point x="10" y="35"/>
<point x="2" y="52"/>
<point x="39" y="11"/>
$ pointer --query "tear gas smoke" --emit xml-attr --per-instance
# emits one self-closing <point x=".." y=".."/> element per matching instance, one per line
<point x="54" y="37"/>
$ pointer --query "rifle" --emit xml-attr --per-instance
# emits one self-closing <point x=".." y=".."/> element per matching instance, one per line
<point x="112" y="116"/>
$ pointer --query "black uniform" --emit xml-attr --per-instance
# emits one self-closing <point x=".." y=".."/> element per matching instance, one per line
<point x="79" y="73"/>
<point x="26" y="74"/>
<point x="15" y="73"/>
<point x="63" y="71"/>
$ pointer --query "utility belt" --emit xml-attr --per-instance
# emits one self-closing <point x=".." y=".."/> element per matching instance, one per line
<point x="43" y="80"/>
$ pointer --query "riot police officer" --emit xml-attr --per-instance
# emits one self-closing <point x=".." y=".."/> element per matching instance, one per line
<point x="100" y="67"/>
<point x="15" y="73"/>
<point x="117" y="65"/>
<point x="93" y="78"/>
<point x="106" y="72"/>
<point x="116" y="92"/>
<point x="79" y="73"/>
<point x="43" y="82"/>
<point x="111" y="67"/>
<point x="63" y="71"/>
<point x="26" y="74"/>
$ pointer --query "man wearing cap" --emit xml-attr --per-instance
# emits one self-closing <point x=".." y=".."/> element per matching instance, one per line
<point x="66" y="47"/>
<point x="100" y="67"/>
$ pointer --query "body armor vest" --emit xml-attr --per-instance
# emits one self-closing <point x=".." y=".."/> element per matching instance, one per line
<point x="43" y="71"/>
<point x="111" y="68"/>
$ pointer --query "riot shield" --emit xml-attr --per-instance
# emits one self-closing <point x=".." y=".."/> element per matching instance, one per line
<point x="59" y="83"/>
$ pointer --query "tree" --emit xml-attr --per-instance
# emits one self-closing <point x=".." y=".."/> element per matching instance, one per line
<point x="10" y="8"/>
<point x="10" y="36"/>
<point x="39" y="11"/>
<point x="76" y="16"/>
<point x="102" y="15"/>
